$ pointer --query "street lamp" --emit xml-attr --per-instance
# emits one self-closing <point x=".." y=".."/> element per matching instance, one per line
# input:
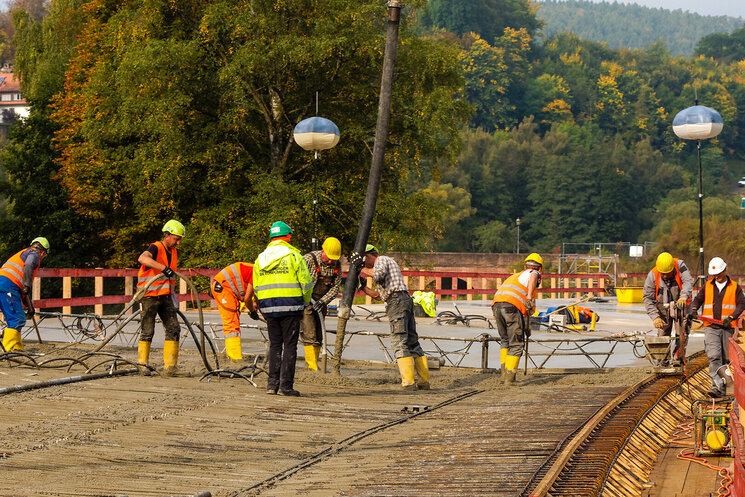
<point x="517" y="222"/>
<point x="698" y="123"/>
<point x="316" y="133"/>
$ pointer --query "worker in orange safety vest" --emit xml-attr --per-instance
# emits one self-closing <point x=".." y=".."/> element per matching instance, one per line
<point x="16" y="279"/>
<point x="161" y="259"/>
<point x="721" y="299"/>
<point x="513" y="304"/>
<point x="230" y="288"/>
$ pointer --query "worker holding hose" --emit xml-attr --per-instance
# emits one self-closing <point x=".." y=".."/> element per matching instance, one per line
<point x="230" y="288"/>
<point x="391" y="288"/>
<point x="16" y="281"/>
<point x="721" y="301"/>
<point x="513" y="304"/>
<point x="283" y="288"/>
<point x="668" y="282"/>
<point x="325" y="271"/>
<point x="161" y="259"/>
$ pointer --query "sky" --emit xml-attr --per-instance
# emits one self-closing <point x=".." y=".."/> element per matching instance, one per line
<point x="733" y="8"/>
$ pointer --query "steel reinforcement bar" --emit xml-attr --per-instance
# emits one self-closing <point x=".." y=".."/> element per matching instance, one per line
<point x="614" y="453"/>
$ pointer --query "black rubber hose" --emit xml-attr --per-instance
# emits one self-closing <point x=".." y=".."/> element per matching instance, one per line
<point x="65" y="381"/>
<point x="197" y="342"/>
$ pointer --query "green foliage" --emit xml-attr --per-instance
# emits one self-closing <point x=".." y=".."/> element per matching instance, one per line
<point x="628" y="25"/>
<point x="722" y="46"/>
<point x="486" y="18"/>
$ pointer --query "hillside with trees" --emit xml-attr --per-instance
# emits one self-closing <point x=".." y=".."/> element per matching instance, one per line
<point x="143" y="111"/>
<point x="627" y="25"/>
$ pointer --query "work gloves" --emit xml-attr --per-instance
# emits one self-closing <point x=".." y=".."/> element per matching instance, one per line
<point x="692" y="315"/>
<point x="317" y="306"/>
<point x="363" y="282"/>
<point x="727" y="321"/>
<point x="30" y="311"/>
<point x="356" y="260"/>
<point x="254" y="315"/>
<point x="659" y="323"/>
<point x="530" y="307"/>
<point x="26" y="290"/>
<point x="170" y="274"/>
<point x="681" y="303"/>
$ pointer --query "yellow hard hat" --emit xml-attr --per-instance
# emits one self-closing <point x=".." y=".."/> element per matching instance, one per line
<point x="665" y="263"/>
<point x="332" y="248"/>
<point x="174" y="228"/>
<point x="43" y="242"/>
<point x="534" y="258"/>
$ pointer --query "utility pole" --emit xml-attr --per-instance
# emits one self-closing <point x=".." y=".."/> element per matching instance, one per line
<point x="517" y="248"/>
<point x="376" y="166"/>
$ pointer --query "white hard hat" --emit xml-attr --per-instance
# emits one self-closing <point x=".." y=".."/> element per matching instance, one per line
<point x="716" y="266"/>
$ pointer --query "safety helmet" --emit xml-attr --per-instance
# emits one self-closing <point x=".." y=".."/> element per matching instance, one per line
<point x="279" y="229"/>
<point x="332" y="248"/>
<point x="716" y="266"/>
<point x="536" y="258"/>
<point x="174" y="228"/>
<point x="665" y="263"/>
<point x="371" y="249"/>
<point x="41" y="241"/>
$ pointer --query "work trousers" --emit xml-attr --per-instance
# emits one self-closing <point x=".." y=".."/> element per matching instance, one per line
<point x="283" y="336"/>
<point x="404" y="340"/>
<point x="229" y="307"/>
<point x="716" y="347"/>
<point x="162" y="305"/>
<point x="11" y="304"/>
<point x="311" y="331"/>
<point x="510" y="326"/>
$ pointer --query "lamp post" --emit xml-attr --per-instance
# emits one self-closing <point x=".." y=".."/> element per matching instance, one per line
<point x="698" y="123"/>
<point x="316" y="134"/>
<point x="517" y="249"/>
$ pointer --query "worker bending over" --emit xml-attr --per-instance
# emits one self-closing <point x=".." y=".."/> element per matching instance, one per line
<point x="160" y="259"/>
<point x="513" y="304"/>
<point x="16" y="281"/>
<point x="723" y="302"/>
<point x="391" y="288"/>
<point x="668" y="282"/>
<point x="325" y="271"/>
<point x="230" y="288"/>
<point x="283" y="288"/>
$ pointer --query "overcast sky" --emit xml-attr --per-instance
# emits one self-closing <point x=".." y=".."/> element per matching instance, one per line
<point x="734" y="8"/>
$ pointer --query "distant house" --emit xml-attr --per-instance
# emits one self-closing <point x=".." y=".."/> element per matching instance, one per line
<point x="12" y="103"/>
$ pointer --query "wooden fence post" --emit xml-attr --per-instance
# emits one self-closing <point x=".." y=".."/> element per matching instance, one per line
<point x="182" y="290"/>
<point x="469" y="286"/>
<point x="129" y="289"/>
<point x="66" y="293"/>
<point x="98" y="292"/>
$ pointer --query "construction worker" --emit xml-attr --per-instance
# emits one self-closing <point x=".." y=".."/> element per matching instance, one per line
<point x="723" y="301"/>
<point x="325" y="271"/>
<point x="668" y="282"/>
<point x="230" y="289"/>
<point x="513" y="304"/>
<point x="391" y="288"/>
<point x="16" y="281"/>
<point x="283" y="288"/>
<point x="161" y="259"/>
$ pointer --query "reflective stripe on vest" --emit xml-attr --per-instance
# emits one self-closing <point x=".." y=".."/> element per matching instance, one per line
<point x="729" y="301"/>
<point x="233" y="277"/>
<point x="513" y="292"/>
<point x="162" y="286"/>
<point x="13" y="268"/>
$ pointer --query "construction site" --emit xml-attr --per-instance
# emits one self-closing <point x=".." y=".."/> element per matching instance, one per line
<point x="594" y="409"/>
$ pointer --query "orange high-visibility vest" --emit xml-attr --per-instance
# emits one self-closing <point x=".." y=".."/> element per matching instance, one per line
<point x="729" y="301"/>
<point x="13" y="268"/>
<point x="236" y="277"/>
<point x="163" y="286"/>
<point x="515" y="293"/>
<point x="677" y="280"/>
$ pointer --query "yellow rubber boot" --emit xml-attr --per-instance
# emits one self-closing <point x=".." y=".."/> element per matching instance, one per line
<point x="406" y="368"/>
<point x="311" y="357"/>
<point x="170" y="356"/>
<point x="502" y="358"/>
<point x="143" y="352"/>
<point x="420" y="363"/>
<point x="510" y="365"/>
<point x="233" y="348"/>
<point x="12" y="340"/>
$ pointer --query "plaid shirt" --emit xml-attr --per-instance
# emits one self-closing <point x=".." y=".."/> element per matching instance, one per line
<point x="388" y="277"/>
<point x="327" y="271"/>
